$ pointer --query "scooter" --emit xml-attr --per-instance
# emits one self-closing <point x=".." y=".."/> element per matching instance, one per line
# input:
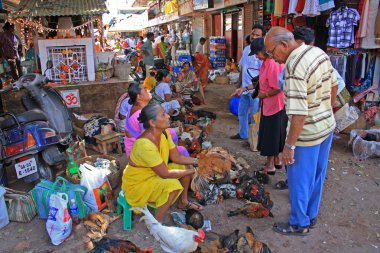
<point x="34" y="141"/>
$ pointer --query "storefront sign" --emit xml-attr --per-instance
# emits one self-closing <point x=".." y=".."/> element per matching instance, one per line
<point x="202" y="4"/>
<point x="71" y="98"/>
<point x="218" y="4"/>
<point x="185" y="7"/>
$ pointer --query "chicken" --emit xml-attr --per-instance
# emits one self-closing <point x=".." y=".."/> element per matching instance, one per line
<point x="97" y="223"/>
<point x="229" y="242"/>
<point x="249" y="244"/>
<point x="194" y="218"/>
<point x="107" y="245"/>
<point x="172" y="239"/>
<point x="253" y="191"/>
<point x="252" y="210"/>
<point x="212" y="244"/>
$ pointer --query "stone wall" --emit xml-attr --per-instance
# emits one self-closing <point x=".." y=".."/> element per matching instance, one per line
<point x="98" y="97"/>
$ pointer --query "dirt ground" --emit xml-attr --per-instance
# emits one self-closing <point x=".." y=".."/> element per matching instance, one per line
<point x="348" y="221"/>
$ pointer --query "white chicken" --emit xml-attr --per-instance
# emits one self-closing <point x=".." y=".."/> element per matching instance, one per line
<point x="172" y="239"/>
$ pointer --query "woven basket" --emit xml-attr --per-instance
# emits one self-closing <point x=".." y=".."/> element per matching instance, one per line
<point x="221" y="80"/>
<point x="114" y="178"/>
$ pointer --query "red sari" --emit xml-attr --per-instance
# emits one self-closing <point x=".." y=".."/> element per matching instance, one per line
<point x="201" y="67"/>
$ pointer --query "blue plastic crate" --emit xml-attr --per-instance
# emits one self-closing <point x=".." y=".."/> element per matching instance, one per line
<point x="184" y="58"/>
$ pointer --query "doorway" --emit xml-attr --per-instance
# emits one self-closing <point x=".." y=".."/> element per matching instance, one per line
<point x="233" y="32"/>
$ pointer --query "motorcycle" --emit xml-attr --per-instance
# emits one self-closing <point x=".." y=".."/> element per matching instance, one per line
<point x="34" y="141"/>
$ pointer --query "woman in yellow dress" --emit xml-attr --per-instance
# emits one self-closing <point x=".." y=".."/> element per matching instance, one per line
<point x="149" y="178"/>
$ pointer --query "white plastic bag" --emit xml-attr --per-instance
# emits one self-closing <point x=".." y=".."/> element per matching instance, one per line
<point x="96" y="182"/>
<point x="362" y="148"/>
<point x="4" y="218"/>
<point x="346" y="116"/>
<point x="59" y="223"/>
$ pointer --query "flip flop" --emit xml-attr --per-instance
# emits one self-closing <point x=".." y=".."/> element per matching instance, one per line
<point x="281" y="185"/>
<point x="287" y="229"/>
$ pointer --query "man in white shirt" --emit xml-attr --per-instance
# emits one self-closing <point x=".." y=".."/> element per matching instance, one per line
<point x="200" y="44"/>
<point x="247" y="105"/>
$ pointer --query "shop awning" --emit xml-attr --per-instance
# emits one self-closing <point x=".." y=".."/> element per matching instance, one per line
<point x="43" y="8"/>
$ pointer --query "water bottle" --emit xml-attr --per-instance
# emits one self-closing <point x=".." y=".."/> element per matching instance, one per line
<point x="72" y="166"/>
<point x="74" y="212"/>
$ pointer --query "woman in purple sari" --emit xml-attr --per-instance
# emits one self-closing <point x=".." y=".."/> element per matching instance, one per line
<point x="139" y="97"/>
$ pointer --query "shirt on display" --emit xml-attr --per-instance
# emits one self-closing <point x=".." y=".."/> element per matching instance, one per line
<point x="341" y="23"/>
<point x="311" y="8"/>
<point x="325" y="5"/>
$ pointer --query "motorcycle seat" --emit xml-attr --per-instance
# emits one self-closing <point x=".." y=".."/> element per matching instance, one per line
<point x="25" y="117"/>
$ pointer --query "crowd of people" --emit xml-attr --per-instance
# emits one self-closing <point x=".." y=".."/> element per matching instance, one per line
<point x="293" y="86"/>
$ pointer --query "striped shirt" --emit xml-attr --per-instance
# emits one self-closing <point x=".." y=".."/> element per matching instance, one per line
<point x="308" y="81"/>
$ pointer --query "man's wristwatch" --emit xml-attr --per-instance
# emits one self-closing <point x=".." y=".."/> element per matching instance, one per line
<point x="292" y="147"/>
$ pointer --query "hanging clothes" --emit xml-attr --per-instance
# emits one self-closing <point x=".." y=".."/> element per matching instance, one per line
<point x="285" y="7"/>
<point x="278" y="6"/>
<point x="369" y="40"/>
<point x="300" y="6"/>
<point x="292" y="6"/>
<point x="341" y="23"/>
<point x="360" y="10"/>
<point x="311" y="8"/>
<point x="325" y="5"/>
<point x="364" y="24"/>
<point x="269" y="5"/>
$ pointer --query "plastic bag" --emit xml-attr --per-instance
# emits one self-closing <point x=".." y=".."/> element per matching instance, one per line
<point x="96" y="182"/>
<point x="59" y="223"/>
<point x="364" y="149"/>
<point x="346" y="116"/>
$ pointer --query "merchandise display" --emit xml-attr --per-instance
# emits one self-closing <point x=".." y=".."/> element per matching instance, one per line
<point x="218" y="52"/>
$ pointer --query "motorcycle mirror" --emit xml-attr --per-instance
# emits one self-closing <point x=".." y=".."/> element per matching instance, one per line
<point x="49" y="64"/>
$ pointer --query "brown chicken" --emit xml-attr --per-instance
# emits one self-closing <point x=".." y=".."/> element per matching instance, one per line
<point x="249" y="244"/>
<point x="252" y="210"/>
<point x="97" y="223"/>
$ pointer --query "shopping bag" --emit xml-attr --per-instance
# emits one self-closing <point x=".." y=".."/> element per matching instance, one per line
<point x="59" y="223"/>
<point x="21" y="207"/>
<point x="42" y="191"/>
<point x="96" y="181"/>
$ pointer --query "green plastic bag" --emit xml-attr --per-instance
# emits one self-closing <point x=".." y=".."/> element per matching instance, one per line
<point x="42" y="191"/>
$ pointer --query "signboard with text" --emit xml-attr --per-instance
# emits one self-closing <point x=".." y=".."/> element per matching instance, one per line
<point x="71" y="98"/>
<point x="202" y="4"/>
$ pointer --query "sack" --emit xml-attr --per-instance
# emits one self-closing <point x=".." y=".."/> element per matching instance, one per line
<point x="42" y="191"/>
<point x="96" y="181"/>
<point x="4" y="219"/>
<point x="346" y="116"/>
<point x="59" y="223"/>
<point x="21" y="207"/>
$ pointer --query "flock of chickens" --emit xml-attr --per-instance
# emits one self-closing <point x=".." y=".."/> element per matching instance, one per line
<point x="220" y="176"/>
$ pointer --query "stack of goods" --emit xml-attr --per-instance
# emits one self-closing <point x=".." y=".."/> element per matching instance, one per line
<point x="182" y="56"/>
<point x="218" y="52"/>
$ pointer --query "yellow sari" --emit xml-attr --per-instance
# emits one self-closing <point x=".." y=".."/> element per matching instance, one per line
<point x="141" y="185"/>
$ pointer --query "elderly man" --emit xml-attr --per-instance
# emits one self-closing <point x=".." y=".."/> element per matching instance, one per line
<point x="9" y="45"/>
<point x="147" y="52"/>
<point x="310" y="88"/>
<point x="247" y="105"/>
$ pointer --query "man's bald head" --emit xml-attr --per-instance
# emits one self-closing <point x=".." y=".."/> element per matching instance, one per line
<point x="279" y="43"/>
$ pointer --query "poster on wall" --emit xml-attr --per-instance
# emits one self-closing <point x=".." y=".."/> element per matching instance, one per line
<point x="202" y="4"/>
<point x="71" y="98"/>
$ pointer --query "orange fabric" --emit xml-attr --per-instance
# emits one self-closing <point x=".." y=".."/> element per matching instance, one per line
<point x="98" y="47"/>
<point x="201" y="68"/>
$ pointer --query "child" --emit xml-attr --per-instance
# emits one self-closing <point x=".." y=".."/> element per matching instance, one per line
<point x="230" y="65"/>
<point x="150" y="81"/>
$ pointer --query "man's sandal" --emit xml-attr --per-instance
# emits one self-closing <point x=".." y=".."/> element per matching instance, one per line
<point x="287" y="229"/>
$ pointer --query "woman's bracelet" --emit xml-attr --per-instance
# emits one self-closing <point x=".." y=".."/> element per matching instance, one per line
<point x="195" y="162"/>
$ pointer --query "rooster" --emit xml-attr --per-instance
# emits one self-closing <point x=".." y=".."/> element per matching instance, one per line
<point x="172" y="239"/>
<point x="249" y="244"/>
<point x="252" y="210"/>
<point x="117" y="246"/>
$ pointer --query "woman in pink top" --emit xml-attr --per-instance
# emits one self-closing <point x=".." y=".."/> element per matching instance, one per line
<point x="272" y="131"/>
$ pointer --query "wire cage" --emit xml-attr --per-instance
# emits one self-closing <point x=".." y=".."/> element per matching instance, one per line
<point x="69" y="64"/>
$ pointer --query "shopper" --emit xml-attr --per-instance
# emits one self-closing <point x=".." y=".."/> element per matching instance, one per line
<point x="311" y="124"/>
<point x="147" y="52"/>
<point x="9" y="45"/>
<point x="200" y="44"/>
<point x="247" y="105"/>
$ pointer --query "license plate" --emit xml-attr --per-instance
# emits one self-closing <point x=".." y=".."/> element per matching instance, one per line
<point x="26" y="168"/>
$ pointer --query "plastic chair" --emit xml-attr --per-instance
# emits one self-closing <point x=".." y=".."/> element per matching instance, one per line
<point x="124" y="206"/>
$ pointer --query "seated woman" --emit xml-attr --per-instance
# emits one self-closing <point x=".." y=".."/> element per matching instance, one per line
<point x="188" y="82"/>
<point x="149" y="178"/>
<point x="139" y="97"/>
<point x="162" y="94"/>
